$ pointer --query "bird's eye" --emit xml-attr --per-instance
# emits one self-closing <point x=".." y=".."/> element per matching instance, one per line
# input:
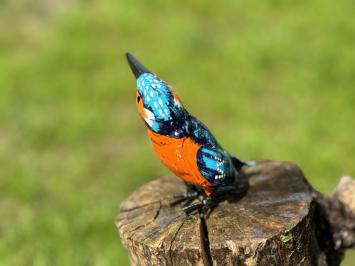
<point x="138" y="99"/>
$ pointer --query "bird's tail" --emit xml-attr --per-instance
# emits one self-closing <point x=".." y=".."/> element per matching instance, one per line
<point x="238" y="164"/>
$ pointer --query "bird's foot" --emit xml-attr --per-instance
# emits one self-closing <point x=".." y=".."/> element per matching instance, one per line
<point x="207" y="204"/>
<point x="201" y="207"/>
<point x="192" y="193"/>
<point x="186" y="197"/>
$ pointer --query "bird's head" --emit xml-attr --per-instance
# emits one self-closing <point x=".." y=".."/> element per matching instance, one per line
<point x="157" y="104"/>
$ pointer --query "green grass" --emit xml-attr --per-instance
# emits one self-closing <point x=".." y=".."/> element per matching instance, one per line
<point x="272" y="80"/>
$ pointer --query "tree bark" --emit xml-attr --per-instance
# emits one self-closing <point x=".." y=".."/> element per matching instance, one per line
<point x="277" y="219"/>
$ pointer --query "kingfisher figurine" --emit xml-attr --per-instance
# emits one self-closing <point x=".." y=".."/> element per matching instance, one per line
<point x="182" y="142"/>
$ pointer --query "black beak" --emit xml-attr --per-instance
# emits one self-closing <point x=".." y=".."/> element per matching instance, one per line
<point x="136" y="67"/>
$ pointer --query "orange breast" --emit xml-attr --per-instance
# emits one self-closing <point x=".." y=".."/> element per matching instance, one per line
<point x="179" y="155"/>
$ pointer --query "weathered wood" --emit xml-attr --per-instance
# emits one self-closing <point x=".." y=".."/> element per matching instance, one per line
<point x="274" y="222"/>
<point x="335" y="219"/>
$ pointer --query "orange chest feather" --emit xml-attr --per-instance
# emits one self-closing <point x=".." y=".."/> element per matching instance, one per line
<point x="179" y="155"/>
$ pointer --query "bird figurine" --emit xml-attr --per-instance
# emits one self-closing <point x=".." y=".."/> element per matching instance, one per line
<point x="182" y="142"/>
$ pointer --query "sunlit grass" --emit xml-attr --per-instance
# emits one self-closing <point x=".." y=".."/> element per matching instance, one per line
<point x="272" y="80"/>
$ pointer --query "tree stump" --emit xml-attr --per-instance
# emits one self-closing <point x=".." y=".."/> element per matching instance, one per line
<point x="279" y="220"/>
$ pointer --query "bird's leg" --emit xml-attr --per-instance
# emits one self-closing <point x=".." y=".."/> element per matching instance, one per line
<point x="191" y="194"/>
<point x="210" y="202"/>
<point x="207" y="203"/>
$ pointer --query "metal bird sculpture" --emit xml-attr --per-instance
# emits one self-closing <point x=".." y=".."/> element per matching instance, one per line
<point x="182" y="142"/>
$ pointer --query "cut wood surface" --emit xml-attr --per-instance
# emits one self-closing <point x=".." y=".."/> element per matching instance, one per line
<point x="273" y="222"/>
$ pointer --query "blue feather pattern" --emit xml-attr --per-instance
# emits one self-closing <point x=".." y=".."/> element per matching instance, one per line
<point x="167" y="116"/>
<point x="200" y="134"/>
<point x="215" y="165"/>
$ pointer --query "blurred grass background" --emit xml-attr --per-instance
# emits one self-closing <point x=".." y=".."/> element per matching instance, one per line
<point x="272" y="80"/>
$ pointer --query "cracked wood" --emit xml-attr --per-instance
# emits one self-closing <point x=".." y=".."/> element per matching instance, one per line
<point x="274" y="223"/>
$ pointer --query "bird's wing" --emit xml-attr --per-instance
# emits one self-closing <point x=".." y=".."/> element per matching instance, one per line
<point x="215" y="165"/>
